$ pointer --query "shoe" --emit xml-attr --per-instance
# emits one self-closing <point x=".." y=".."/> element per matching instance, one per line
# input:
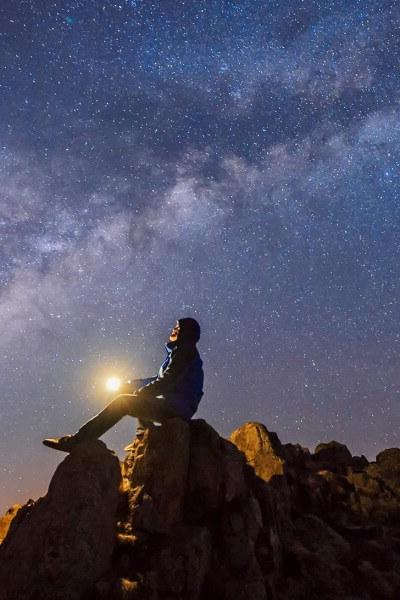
<point x="65" y="443"/>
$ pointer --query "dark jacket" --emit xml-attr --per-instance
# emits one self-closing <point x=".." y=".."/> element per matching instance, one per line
<point x="179" y="380"/>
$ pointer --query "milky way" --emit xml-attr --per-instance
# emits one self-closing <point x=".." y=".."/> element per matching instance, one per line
<point x="233" y="161"/>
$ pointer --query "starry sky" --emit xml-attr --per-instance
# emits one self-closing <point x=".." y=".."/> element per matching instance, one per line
<point x="234" y="161"/>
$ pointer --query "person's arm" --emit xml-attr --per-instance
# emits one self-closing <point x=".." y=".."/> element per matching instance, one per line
<point x="130" y="386"/>
<point x="138" y="383"/>
<point x="166" y="382"/>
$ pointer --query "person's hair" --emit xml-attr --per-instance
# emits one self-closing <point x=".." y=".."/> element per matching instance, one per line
<point x="189" y="329"/>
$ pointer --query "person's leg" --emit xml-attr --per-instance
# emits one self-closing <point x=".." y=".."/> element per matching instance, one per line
<point x="156" y="409"/>
<point x="104" y="420"/>
<point x="151" y="409"/>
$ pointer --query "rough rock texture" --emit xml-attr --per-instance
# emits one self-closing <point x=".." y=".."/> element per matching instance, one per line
<point x="263" y="450"/>
<point x="201" y="517"/>
<point x="6" y="520"/>
<point x="59" y="546"/>
<point x="155" y="481"/>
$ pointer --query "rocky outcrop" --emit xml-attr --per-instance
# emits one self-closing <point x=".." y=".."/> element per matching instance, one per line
<point x="196" y="516"/>
<point x="57" y="547"/>
<point x="155" y="480"/>
<point x="6" y="520"/>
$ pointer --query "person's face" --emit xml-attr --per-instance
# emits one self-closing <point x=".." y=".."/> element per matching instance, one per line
<point x="173" y="336"/>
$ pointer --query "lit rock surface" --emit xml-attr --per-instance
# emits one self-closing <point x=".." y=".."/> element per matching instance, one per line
<point x="262" y="449"/>
<point x="199" y="517"/>
<point x="6" y="520"/>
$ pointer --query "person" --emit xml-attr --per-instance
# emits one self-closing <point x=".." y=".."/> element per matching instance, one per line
<point x="174" y="393"/>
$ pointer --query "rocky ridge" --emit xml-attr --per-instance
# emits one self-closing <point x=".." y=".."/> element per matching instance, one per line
<point x="191" y="515"/>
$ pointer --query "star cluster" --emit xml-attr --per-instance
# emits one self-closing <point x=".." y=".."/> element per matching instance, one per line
<point x="235" y="161"/>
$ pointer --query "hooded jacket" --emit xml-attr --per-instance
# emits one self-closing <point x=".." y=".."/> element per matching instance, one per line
<point x="180" y="377"/>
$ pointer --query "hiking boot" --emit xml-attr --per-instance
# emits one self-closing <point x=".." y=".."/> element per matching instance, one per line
<point x="65" y="443"/>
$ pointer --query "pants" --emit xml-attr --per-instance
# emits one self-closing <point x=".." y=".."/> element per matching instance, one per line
<point x="152" y="409"/>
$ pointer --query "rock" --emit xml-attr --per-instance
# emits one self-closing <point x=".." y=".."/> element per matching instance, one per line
<point x="198" y="516"/>
<point x="358" y="463"/>
<point x="252" y="515"/>
<point x="337" y="495"/>
<point x="7" y="519"/>
<point x="233" y="472"/>
<point x="181" y="565"/>
<point x="354" y="533"/>
<point x="63" y="542"/>
<point x="262" y="449"/>
<point x="249" y="582"/>
<point x="155" y="474"/>
<point x="378" y="584"/>
<point x="333" y="455"/>
<point x="375" y="499"/>
<point x="237" y="546"/>
<point x="206" y="471"/>
<point x="296" y="455"/>
<point x="216" y="472"/>
<point x="388" y="463"/>
<point x="377" y="552"/>
<point x="315" y="575"/>
<point x="242" y="590"/>
<point x="389" y="459"/>
<point x="127" y="589"/>
<point x="318" y="536"/>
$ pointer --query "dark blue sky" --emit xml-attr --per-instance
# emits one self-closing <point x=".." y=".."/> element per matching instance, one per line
<point x="233" y="161"/>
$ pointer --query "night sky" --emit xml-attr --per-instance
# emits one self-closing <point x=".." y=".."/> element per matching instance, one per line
<point x="234" y="161"/>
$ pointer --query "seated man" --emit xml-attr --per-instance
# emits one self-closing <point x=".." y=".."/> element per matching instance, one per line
<point x="175" y="392"/>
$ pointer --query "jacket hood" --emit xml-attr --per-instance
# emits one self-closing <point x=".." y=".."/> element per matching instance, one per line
<point x="189" y="331"/>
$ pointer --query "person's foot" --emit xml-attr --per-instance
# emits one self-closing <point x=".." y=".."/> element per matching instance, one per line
<point x="65" y="443"/>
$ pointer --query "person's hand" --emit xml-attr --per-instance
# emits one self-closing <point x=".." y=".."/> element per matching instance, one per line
<point x="127" y="387"/>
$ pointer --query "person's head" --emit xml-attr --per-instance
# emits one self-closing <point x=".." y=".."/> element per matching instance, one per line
<point x="186" y="331"/>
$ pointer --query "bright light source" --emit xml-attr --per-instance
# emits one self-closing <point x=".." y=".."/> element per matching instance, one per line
<point x="113" y="384"/>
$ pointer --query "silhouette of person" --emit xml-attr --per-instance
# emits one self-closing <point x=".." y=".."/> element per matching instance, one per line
<point x="175" y="392"/>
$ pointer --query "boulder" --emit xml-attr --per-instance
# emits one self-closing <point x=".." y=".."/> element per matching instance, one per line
<point x="374" y="498"/>
<point x="155" y="476"/>
<point x="206" y="473"/>
<point x="61" y="544"/>
<point x="6" y="520"/>
<point x="262" y="449"/>
<point x="296" y="455"/>
<point x="182" y="563"/>
<point x="333" y="455"/>
<point x="358" y="463"/>
<point x="233" y="472"/>
<point x="318" y="536"/>
<point x="388" y="463"/>
<point x="216" y="472"/>
<point x="199" y="516"/>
